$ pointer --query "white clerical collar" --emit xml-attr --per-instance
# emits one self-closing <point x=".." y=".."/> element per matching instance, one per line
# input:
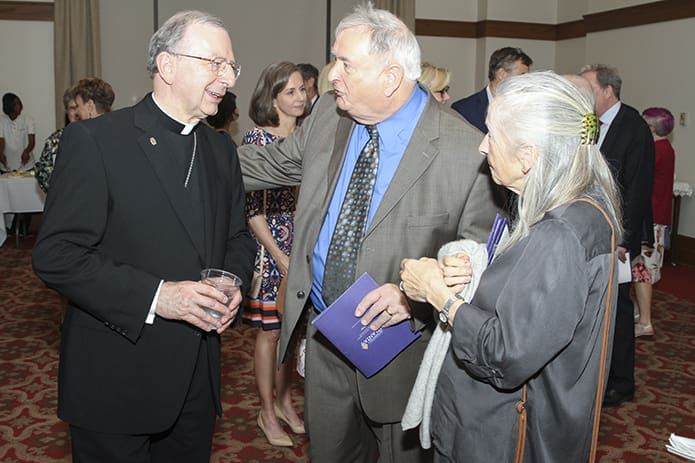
<point x="187" y="127"/>
<point x="489" y="93"/>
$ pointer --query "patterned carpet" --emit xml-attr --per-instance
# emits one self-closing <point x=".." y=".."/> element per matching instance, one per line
<point x="30" y="431"/>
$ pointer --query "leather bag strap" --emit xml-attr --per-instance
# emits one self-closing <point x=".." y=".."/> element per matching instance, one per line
<point x="604" y="342"/>
<point x="521" y="404"/>
<point x="521" y="427"/>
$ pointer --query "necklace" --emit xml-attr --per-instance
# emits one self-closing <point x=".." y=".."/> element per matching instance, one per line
<point x="190" y="166"/>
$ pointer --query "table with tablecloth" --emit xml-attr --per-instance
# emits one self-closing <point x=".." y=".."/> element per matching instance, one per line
<point x="19" y="194"/>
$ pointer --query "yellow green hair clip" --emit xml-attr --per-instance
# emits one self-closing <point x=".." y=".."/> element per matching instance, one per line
<point x="590" y="129"/>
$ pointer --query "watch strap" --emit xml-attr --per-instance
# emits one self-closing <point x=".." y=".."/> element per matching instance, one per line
<point x="444" y="314"/>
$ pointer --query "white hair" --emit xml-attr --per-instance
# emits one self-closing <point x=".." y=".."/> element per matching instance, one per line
<point x="548" y="111"/>
<point x="389" y="37"/>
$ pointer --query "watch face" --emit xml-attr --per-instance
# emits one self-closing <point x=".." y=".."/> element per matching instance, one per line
<point x="443" y="317"/>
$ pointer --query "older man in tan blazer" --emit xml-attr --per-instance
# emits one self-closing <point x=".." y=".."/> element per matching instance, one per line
<point x="432" y="187"/>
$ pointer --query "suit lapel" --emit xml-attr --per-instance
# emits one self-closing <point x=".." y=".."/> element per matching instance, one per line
<point x="153" y="142"/>
<point x="342" y="138"/>
<point x="418" y="155"/>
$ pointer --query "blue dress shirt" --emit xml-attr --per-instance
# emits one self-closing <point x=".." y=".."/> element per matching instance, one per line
<point x="394" y="135"/>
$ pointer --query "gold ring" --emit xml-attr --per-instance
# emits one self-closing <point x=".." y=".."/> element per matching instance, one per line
<point x="388" y="311"/>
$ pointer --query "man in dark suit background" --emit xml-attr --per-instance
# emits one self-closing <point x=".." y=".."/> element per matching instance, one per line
<point x="431" y="186"/>
<point x="504" y="63"/>
<point x="311" y="82"/>
<point x="626" y="142"/>
<point x="141" y="200"/>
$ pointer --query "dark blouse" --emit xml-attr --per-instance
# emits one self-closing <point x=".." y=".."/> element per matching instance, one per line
<point x="536" y="318"/>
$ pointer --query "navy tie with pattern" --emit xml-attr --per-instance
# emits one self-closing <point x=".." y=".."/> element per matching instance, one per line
<point x="341" y="260"/>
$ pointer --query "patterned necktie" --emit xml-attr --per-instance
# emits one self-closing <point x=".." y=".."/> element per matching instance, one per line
<point x="341" y="260"/>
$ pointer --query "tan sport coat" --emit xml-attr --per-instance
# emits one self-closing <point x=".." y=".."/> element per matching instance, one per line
<point x="441" y="191"/>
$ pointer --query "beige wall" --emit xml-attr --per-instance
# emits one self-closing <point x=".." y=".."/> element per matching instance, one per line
<point x="595" y="6"/>
<point x="654" y="62"/>
<point x="648" y="57"/>
<point x="570" y="10"/>
<point x="263" y="32"/>
<point x="535" y="11"/>
<point x="28" y="72"/>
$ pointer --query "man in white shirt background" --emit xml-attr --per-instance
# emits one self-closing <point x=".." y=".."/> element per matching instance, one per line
<point x="17" y="140"/>
<point x="17" y="135"/>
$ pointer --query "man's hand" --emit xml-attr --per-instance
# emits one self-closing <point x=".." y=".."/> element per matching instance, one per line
<point x="184" y="300"/>
<point x="25" y="157"/>
<point x="383" y="306"/>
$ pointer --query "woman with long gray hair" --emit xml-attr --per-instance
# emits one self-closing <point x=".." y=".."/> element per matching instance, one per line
<point x="537" y="318"/>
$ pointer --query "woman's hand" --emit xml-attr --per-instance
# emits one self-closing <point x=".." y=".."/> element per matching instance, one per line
<point x="283" y="262"/>
<point x="457" y="271"/>
<point x="422" y="280"/>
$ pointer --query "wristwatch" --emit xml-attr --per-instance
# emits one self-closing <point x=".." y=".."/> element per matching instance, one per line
<point x="444" y="314"/>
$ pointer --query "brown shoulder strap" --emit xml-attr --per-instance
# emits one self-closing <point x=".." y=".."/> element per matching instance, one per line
<point x="604" y="343"/>
<point x="520" y="427"/>
<point x="521" y="404"/>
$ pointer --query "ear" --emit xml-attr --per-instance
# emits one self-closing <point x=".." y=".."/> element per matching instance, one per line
<point x="393" y="78"/>
<point x="528" y="155"/>
<point x="91" y="108"/>
<point x="500" y="74"/>
<point x="166" y="66"/>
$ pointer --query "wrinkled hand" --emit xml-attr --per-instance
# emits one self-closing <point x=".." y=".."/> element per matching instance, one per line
<point x="383" y="306"/>
<point x="184" y="300"/>
<point x="423" y="279"/>
<point x="457" y="271"/>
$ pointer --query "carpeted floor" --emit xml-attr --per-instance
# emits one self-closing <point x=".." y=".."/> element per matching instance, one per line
<point x="30" y="431"/>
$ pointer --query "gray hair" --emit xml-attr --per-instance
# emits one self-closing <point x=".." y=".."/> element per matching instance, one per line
<point x="389" y="37"/>
<point x="605" y="76"/>
<point x="168" y="36"/>
<point x="548" y="111"/>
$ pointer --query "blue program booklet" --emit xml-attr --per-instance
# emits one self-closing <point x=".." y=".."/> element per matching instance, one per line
<point x="498" y="235"/>
<point x="368" y="350"/>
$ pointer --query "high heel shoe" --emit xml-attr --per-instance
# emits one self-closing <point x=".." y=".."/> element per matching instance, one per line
<point x="279" y="441"/>
<point x="643" y="330"/>
<point x="296" y="428"/>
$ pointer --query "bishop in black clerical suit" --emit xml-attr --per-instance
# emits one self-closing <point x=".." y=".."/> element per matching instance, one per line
<point x="143" y="199"/>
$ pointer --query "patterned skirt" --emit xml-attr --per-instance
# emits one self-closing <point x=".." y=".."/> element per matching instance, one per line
<point x="646" y="268"/>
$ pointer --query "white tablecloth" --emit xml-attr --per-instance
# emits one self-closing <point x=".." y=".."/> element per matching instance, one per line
<point x="19" y="194"/>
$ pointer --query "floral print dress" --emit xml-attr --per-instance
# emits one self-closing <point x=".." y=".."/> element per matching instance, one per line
<point x="278" y="206"/>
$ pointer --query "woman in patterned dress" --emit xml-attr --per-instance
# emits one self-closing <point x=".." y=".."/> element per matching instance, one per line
<point x="646" y="268"/>
<point x="277" y="102"/>
<point x="89" y="98"/>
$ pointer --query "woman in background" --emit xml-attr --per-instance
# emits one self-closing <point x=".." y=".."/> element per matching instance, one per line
<point x="277" y="102"/>
<point x="436" y="80"/>
<point x="227" y="113"/>
<point x="538" y="314"/>
<point x="90" y="98"/>
<point x="646" y="268"/>
<point x="44" y="166"/>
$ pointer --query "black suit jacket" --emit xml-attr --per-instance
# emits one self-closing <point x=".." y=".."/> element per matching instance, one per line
<point x="474" y="109"/>
<point x="117" y="221"/>
<point x="629" y="149"/>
